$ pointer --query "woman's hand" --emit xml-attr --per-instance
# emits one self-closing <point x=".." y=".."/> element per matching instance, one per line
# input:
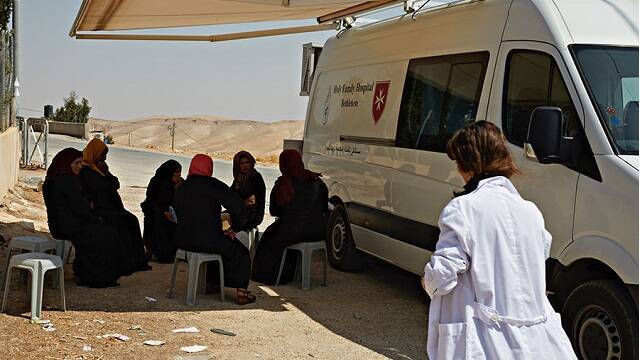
<point x="167" y="215"/>
<point x="250" y="201"/>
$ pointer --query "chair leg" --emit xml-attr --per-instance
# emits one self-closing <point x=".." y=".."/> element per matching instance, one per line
<point x="221" y="271"/>
<point x="192" y="281"/>
<point x="37" y="281"/>
<point x="174" y="270"/>
<point x="61" y="286"/>
<point x="202" y="277"/>
<point x="6" y="265"/>
<point x="306" y="270"/>
<point x="284" y="257"/>
<point x="7" y="283"/>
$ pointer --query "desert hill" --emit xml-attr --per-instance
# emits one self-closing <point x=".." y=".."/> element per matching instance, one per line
<point x="218" y="136"/>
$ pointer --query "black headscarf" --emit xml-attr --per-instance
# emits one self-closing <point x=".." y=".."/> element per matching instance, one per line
<point x="61" y="163"/>
<point x="161" y="183"/>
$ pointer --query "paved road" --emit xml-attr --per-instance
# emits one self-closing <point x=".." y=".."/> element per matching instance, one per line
<point x="135" y="167"/>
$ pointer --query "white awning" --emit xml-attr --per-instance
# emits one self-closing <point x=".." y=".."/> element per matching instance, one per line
<point x="98" y="15"/>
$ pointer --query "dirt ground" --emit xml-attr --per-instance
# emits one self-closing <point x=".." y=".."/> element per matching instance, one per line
<point x="376" y="313"/>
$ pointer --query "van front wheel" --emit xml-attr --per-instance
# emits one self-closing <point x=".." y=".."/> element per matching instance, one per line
<point x="601" y="321"/>
<point x="341" y="250"/>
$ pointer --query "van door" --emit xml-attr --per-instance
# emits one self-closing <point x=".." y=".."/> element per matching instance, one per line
<point x="528" y="75"/>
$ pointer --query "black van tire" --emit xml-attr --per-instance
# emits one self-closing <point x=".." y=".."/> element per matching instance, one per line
<point x="602" y="321"/>
<point x="341" y="250"/>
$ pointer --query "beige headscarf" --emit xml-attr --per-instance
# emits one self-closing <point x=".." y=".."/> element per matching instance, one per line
<point x="92" y="152"/>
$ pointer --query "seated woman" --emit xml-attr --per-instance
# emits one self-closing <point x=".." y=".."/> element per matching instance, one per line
<point x="71" y="217"/>
<point x="249" y="185"/>
<point x="198" y="206"/>
<point x="159" y="225"/>
<point x="299" y="201"/>
<point x="102" y="189"/>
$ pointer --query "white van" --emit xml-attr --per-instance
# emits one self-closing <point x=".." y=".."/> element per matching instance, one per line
<point x="387" y="97"/>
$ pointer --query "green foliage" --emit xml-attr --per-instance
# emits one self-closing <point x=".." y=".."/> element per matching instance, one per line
<point x="6" y="7"/>
<point x="72" y="110"/>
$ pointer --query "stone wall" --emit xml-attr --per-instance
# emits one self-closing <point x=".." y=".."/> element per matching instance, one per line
<point x="9" y="159"/>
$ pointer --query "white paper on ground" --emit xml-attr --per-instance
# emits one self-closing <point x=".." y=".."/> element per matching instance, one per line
<point x="99" y="321"/>
<point x="150" y="299"/>
<point x="116" y="336"/>
<point x="192" y="329"/>
<point x="87" y="348"/>
<point x="49" y="327"/>
<point x="154" y="342"/>
<point x="193" y="348"/>
<point x="135" y="327"/>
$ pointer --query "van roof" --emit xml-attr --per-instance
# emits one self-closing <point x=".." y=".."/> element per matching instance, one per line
<point x="560" y="22"/>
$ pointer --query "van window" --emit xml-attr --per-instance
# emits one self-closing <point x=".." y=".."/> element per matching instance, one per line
<point x="533" y="79"/>
<point x="440" y="96"/>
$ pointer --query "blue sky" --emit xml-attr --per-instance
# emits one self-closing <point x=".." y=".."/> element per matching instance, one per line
<point x="254" y="79"/>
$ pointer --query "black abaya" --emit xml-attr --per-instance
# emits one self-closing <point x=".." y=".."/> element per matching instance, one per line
<point x="158" y="231"/>
<point x="198" y="205"/>
<point x="103" y="192"/>
<point x="70" y="217"/>
<point x="301" y="220"/>
<point x="253" y="186"/>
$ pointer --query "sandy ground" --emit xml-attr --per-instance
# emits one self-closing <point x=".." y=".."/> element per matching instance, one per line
<point x="217" y="136"/>
<point x="378" y="312"/>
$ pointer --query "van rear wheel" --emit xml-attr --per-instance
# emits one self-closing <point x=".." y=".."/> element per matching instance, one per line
<point x="600" y="319"/>
<point x="341" y="249"/>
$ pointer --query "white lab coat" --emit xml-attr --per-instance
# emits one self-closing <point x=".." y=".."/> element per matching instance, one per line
<point x="486" y="280"/>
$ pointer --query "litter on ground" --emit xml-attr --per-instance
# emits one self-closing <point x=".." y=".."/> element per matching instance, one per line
<point x="192" y="329"/>
<point x="154" y="342"/>
<point x="223" y="332"/>
<point x="193" y="348"/>
<point x="115" y="336"/>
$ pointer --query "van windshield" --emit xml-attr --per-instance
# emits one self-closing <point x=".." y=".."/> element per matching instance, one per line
<point x="611" y="75"/>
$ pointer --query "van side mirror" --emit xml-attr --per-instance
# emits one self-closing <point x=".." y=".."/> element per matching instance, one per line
<point x="545" y="134"/>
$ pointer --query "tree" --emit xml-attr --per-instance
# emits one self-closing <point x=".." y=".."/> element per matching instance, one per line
<point x="72" y="110"/>
<point x="6" y="8"/>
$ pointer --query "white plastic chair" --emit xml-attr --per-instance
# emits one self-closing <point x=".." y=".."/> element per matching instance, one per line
<point x="30" y="243"/>
<point x="306" y="249"/>
<point x="197" y="263"/>
<point x="63" y="250"/>
<point x="37" y="264"/>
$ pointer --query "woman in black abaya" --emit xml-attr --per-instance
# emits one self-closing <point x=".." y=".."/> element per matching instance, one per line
<point x="102" y="188"/>
<point x="299" y="201"/>
<point x="159" y="225"/>
<point x="71" y="217"/>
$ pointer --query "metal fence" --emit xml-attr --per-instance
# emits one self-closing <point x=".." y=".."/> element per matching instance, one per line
<point x="7" y="107"/>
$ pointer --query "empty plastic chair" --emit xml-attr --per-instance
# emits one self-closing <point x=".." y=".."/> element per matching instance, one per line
<point x="37" y="264"/>
<point x="30" y="243"/>
<point x="306" y="249"/>
<point x="197" y="269"/>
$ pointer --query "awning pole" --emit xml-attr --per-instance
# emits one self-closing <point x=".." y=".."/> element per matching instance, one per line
<point x="212" y="38"/>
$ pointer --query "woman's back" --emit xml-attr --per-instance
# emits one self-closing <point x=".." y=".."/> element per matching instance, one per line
<point x="507" y="245"/>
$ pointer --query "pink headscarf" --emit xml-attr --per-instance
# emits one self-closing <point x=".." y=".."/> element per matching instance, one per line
<point x="201" y="164"/>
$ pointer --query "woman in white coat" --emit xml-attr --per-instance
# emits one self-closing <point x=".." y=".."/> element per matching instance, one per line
<point x="486" y="278"/>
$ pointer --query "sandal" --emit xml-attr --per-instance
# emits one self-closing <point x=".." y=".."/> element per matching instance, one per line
<point x="244" y="297"/>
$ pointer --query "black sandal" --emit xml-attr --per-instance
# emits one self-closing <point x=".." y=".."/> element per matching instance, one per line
<point x="244" y="297"/>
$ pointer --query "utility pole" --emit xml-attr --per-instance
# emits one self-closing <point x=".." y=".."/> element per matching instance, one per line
<point x="172" y="132"/>
<point x="129" y="139"/>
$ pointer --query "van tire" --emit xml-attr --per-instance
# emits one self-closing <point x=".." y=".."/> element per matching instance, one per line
<point x="341" y="250"/>
<point x="602" y="321"/>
